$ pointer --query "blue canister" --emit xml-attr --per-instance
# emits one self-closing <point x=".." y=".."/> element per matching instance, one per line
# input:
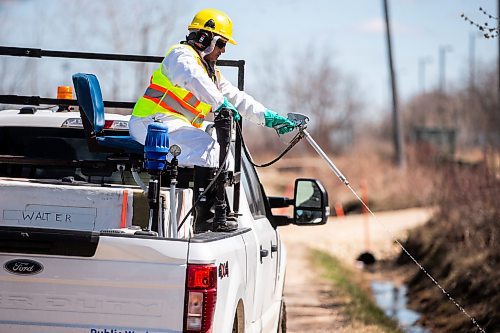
<point x="156" y="147"/>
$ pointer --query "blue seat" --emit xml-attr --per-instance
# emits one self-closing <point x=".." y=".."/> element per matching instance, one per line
<point x="89" y="98"/>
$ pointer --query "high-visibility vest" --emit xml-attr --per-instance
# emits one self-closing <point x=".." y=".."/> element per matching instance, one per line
<point x="162" y="96"/>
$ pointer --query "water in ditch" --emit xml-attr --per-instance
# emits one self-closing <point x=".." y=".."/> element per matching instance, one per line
<point x="392" y="299"/>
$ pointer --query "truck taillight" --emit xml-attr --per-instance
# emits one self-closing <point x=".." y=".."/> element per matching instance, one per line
<point x="201" y="295"/>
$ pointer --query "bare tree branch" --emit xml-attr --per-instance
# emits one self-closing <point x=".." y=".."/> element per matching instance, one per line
<point x="485" y="28"/>
<point x="318" y="89"/>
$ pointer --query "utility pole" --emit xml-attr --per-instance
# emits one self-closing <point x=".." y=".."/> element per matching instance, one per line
<point x="422" y="62"/>
<point x="498" y="54"/>
<point x="396" y="119"/>
<point x="472" y="59"/>
<point x="441" y="110"/>
<point x="442" y="67"/>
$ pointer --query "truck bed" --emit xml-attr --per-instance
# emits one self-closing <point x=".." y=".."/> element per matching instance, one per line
<point x="68" y="267"/>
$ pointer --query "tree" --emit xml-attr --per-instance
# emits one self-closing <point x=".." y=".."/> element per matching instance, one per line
<point x="470" y="111"/>
<point x="318" y="89"/>
<point x="128" y="28"/>
<point x="88" y="26"/>
<point x="480" y="109"/>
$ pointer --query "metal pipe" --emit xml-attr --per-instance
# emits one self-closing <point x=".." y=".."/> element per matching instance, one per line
<point x="173" y="210"/>
<point x="237" y="148"/>
<point x="40" y="53"/>
<point x="161" y="227"/>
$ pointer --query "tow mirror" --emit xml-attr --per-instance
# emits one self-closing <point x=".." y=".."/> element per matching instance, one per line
<point x="310" y="202"/>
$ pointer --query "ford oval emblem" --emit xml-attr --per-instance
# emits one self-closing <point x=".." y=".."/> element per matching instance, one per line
<point x="23" y="267"/>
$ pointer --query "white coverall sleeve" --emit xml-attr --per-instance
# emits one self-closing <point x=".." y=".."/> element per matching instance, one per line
<point x="182" y="69"/>
<point x="247" y="106"/>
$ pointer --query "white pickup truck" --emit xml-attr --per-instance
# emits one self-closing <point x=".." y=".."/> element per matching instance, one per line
<point x="78" y="255"/>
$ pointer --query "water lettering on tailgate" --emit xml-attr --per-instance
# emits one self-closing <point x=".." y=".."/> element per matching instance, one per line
<point x="52" y="216"/>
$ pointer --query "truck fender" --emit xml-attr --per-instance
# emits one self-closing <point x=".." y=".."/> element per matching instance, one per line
<point x="233" y="300"/>
<point x="229" y="294"/>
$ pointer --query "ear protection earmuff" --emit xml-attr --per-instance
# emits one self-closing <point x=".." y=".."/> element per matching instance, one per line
<point x="203" y="37"/>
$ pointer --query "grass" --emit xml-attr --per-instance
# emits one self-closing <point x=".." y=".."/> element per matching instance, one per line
<point x="459" y="246"/>
<point x="360" y="307"/>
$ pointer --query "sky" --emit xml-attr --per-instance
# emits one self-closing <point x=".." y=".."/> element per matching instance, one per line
<point x="352" y="32"/>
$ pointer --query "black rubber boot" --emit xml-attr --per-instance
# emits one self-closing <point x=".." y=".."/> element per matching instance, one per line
<point x="204" y="213"/>
<point x="222" y="124"/>
<point x="223" y="222"/>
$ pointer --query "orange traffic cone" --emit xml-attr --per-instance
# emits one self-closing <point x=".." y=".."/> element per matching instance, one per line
<point x="339" y="210"/>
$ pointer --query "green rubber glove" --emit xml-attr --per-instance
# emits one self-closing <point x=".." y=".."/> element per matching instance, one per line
<point x="229" y="106"/>
<point x="281" y="124"/>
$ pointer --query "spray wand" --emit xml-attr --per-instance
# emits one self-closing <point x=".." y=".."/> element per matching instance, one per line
<point x="300" y="121"/>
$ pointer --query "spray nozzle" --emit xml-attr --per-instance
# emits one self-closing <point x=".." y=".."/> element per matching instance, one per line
<point x="300" y="120"/>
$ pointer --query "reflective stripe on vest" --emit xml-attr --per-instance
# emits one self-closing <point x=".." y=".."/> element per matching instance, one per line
<point x="164" y="97"/>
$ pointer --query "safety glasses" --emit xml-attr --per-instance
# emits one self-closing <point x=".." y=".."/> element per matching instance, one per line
<point x="221" y="43"/>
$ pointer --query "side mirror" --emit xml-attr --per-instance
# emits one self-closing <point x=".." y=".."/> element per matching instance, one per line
<point x="310" y="202"/>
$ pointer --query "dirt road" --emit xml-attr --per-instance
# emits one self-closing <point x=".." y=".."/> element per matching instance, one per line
<point x="311" y="304"/>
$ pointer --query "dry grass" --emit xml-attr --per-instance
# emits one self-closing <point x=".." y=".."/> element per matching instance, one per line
<point x="460" y="247"/>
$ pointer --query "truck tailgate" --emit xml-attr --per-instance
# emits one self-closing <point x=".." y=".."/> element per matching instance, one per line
<point x="130" y="284"/>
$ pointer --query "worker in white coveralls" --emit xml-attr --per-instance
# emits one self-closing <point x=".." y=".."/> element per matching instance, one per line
<point x="188" y="85"/>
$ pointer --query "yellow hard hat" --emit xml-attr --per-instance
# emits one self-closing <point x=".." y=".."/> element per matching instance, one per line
<point x="215" y="21"/>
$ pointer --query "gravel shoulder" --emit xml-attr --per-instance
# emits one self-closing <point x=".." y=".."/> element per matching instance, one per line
<point x="312" y="305"/>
